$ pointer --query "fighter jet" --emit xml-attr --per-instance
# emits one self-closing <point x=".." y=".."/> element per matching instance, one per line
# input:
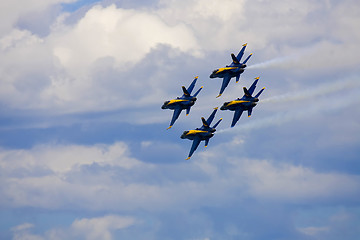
<point x="205" y="132"/>
<point x="247" y="102"/>
<point x="232" y="70"/>
<point x="181" y="103"/>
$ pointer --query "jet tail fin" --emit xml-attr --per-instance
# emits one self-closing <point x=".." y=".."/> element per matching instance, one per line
<point x="247" y="59"/>
<point x="198" y="91"/>
<point x="258" y="94"/>
<point x="253" y="86"/>
<point x="217" y="123"/>
<point x="241" y="53"/>
<point x="211" y="117"/>
<point x="192" y="85"/>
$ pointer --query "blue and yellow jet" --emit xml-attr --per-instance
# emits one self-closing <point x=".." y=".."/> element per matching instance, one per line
<point x="232" y="70"/>
<point x="247" y="102"/>
<point x="204" y="133"/>
<point x="181" y="103"/>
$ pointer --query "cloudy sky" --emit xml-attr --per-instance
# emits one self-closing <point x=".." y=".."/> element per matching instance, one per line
<point x="84" y="150"/>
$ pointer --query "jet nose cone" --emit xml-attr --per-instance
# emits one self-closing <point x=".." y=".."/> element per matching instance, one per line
<point x="256" y="100"/>
<point x="244" y="66"/>
<point x="194" y="99"/>
<point x="184" y="134"/>
<point x="223" y="107"/>
<point x="165" y="104"/>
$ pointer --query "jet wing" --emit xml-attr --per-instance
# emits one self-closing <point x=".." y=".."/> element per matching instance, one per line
<point x="237" y="116"/>
<point x="175" y="116"/>
<point x="224" y="84"/>
<point x="194" y="146"/>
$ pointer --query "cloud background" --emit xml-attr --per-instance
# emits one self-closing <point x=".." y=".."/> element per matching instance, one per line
<point x="84" y="153"/>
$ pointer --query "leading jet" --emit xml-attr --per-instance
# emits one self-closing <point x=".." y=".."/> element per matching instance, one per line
<point x="181" y="103"/>
<point x="232" y="70"/>
<point x="247" y="102"/>
<point x="204" y="133"/>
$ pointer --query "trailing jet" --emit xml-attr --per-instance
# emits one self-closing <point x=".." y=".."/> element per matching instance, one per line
<point x="232" y="70"/>
<point x="181" y="103"/>
<point x="204" y="133"/>
<point x="247" y="102"/>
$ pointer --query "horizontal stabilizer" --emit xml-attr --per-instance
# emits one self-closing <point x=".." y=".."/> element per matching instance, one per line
<point x="247" y="94"/>
<point x="235" y="60"/>
<point x="207" y="142"/>
<point x="186" y="93"/>
<point x="238" y="77"/>
<point x="250" y="111"/>
<point x="204" y="122"/>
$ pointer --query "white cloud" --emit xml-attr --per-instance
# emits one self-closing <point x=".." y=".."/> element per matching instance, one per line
<point x="106" y="177"/>
<point x="89" y="65"/>
<point x="85" y="228"/>
<point x="58" y="71"/>
<point x="124" y="34"/>
<point x="100" y="228"/>
<point x="11" y="11"/>
<point x="296" y="183"/>
<point x="22" y="232"/>
<point x="62" y="159"/>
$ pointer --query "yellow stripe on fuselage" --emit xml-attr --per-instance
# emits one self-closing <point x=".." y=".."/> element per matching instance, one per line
<point x="225" y="68"/>
<point x="236" y="102"/>
<point x="195" y="132"/>
<point x="176" y="101"/>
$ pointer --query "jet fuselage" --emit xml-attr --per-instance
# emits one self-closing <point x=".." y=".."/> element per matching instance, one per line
<point x="182" y="103"/>
<point x="198" y="132"/>
<point x="245" y="104"/>
<point x="229" y="70"/>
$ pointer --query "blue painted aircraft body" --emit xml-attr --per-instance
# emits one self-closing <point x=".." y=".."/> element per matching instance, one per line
<point x="246" y="103"/>
<point x="233" y="70"/>
<point x="186" y="101"/>
<point x="204" y="133"/>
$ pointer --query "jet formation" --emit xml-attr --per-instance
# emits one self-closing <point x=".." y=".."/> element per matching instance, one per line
<point x="239" y="105"/>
